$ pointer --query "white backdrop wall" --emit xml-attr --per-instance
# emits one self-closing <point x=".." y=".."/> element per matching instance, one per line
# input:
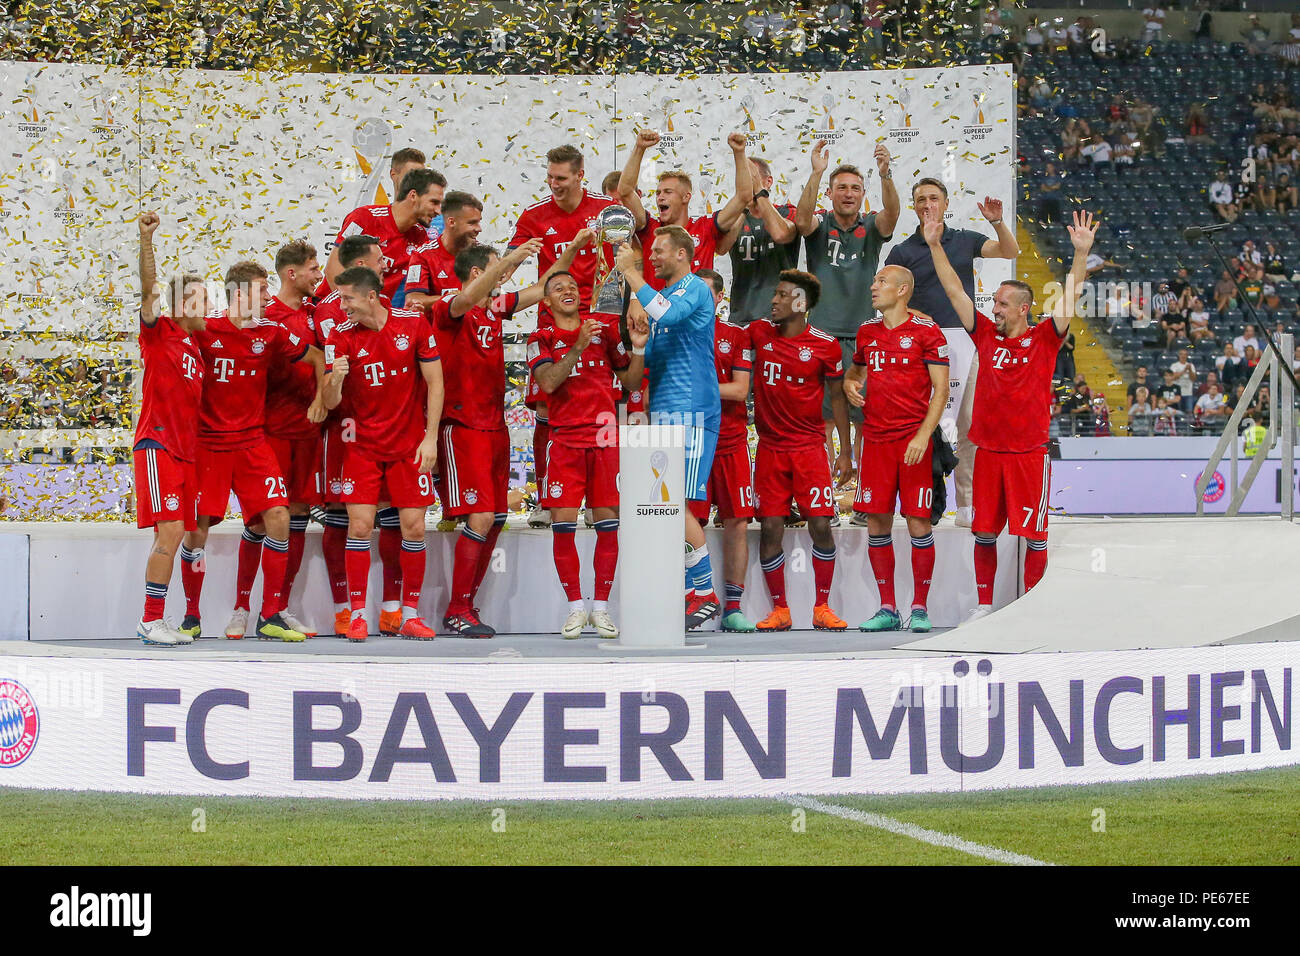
<point x="239" y="162"/>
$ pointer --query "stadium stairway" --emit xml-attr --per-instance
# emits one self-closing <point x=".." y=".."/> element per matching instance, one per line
<point x="1090" y="356"/>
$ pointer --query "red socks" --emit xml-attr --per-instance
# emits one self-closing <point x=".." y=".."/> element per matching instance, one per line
<point x="823" y="572"/>
<point x="250" y="550"/>
<point x="986" y="567"/>
<point x="774" y="575"/>
<point x="606" y="557"/>
<point x="485" y="555"/>
<point x="565" y="550"/>
<point x="358" y="565"/>
<point x="880" y="551"/>
<point x="469" y="546"/>
<point x="412" y="561"/>
<point x="390" y="557"/>
<point x="922" y="569"/>
<point x="192" y="571"/>
<point x="275" y="564"/>
<point x="297" y="541"/>
<point x="332" y="542"/>
<point x="1035" y="565"/>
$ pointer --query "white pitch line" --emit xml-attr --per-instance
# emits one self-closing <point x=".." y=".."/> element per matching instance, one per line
<point x="934" y="837"/>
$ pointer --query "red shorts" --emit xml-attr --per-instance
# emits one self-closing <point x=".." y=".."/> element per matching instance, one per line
<point x="1011" y="487"/>
<point x="731" y="487"/>
<point x="368" y="482"/>
<point x="332" y="459"/>
<point x="166" y="489"/>
<point x="573" y="473"/>
<point x="475" y="470"/>
<point x="882" y="478"/>
<point x="301" y="463"/>
<point x="251" y="473"/>
<point x="802" y="475"/>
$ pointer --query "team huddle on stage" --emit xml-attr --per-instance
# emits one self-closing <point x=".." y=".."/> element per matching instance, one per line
<point x="374" y="386"/>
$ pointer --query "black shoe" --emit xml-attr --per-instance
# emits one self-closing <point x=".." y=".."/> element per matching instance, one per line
<point x="701" y="611"/>
<point x="467" y="624"/>
<point x="273" y="628"/>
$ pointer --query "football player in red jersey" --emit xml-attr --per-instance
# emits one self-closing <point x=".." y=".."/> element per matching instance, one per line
<point x="396" y="441"/>
<point x="401" y="227"/>
<point x="556" y="221"/>
<point x="572" y="361"/>
<point x="295" y="440"/>
<point x="340" y="428"/>
<point x="475" y="445"/>
<point x="712" y="234"/>
<point x="166" y="487"/>
<point x="239" y="346"/>
<point x="792" y="362"/>
<point x="1012" y="407"/>
<point x="731" y="480"/>
<point x="902" y="359"/>
<point x="433" y="266"/>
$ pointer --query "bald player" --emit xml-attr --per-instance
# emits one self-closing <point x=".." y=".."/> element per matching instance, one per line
<point x="903" y="361"/>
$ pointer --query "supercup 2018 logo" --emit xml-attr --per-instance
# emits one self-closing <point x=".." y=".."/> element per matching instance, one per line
<point x="20" y="724"/>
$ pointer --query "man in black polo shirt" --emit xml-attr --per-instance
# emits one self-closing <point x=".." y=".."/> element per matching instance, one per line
<point x="762" y="246"/>
<point x="963" y="247"/>
<point x="843" y="252"/>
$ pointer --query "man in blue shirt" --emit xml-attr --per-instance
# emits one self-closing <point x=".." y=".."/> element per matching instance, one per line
<point x="962" y="247"/>
<point x="683" y="382"/>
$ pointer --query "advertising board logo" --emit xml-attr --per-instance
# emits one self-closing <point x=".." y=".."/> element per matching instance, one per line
<point x="660" y="497"/>
<point x="978" y="128"/>
<point x="669" y="138"/>
<point x="752" y="133"/>
<point x="1215" y="488"/>
<point x="903" y="131"/>
<point x="20" y="723"/>
<point x="33" y="124"/>
<point x="105" y="128"/>
<point x="824" y="122"/>
<point x="68" y="213"/>
<point x="370" y="143"/>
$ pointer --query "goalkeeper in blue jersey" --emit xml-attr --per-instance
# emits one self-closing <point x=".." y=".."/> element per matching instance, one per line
<point x="683" y="383"/>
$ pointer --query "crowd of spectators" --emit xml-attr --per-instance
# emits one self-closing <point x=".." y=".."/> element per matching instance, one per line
<point x="63" y="394"/>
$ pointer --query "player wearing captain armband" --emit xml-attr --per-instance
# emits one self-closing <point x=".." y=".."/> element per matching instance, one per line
<point x="1012" y="407"/>
<point x="683" y="383"/>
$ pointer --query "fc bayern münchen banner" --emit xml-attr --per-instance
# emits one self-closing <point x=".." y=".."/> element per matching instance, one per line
<point x="237" y="162"/>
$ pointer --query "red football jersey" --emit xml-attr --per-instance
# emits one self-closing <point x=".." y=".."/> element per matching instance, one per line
<point x="475" y="373"/>
<point x="397" y="246"/>
<point x="898" y="387"/>
<point x="584" y="403"/>
<point x="703" y="229"/>
<point x="232" y="413"/>
<point x="291" y="386"/>
<point x="385" y="386"/>
<point x="431" y="270"/>
<point x="732" y="354"/>
<point x="173" y="384"/>
<point x="789" y="382"/>
<point x="329" y="315"/>
<point x="556" y="228"/>
<point x="1013" y="393"/>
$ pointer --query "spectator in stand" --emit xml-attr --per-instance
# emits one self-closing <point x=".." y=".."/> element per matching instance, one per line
<point x="840" y="25"/>
<point x="1286" y="193"/>
<point x="1261" y="408"/>
<point x="1141" y="403"/>
<point x="1255" y="35"/>
<point x="1211" y="378"/>
<point x="1167" y="417"/>
<point x="1057" y="36"/>
<point x="1221" y="198"/>
<point x="1071" y="140"/>
<point x="1211" y="407"/>
<point x="1252" y="288"/>
<point x="1139" y="382"/>
<point x="1049" y="191"/>
<point x="1225" y="293"/>
<point x="1035" y="39"/>
<point x="1288" y="54"/>
<point x="1141" y="115"/>
<point x="1181" y="286"/>
<point x="1100" y="416"/>
<point x="1249" y="360"/>
<point x="1076" y="35"/>
<point x="1274" y="264"/>
<point x="873" y="25"/>
<point x="1153" y="18"/>
<point x="1065" y="370"/>
<point x="1249" y="254"/>
<point x="1125" y="152"/>
<point x="1097" y="263"/>
<point x="1097" y="151"/>
<point x="1185" y="377"/>
<point x="1197" y="125"/>
<point x="1198" y="321"/>
<point x="1249" y="338"/>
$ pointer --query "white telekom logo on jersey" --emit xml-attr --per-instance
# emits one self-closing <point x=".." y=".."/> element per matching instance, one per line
<point x="222" y="367"/>
<point x="772" y="372"/>
<point x="374" y="372"/>
<point x="188" y="365"/>
<point x="1001" y="357"/>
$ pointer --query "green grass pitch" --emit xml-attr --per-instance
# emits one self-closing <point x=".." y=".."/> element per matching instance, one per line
<point x="1233" y="819"/>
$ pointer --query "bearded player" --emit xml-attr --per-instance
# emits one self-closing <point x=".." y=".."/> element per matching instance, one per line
<point x="793" y="361"/>
<point x="396" y="442"/>
<point x="166" y="486"/>
<point x="1012" y="407"/>
<point x="731" y="480"/>
<point x="294" y="439"/>
<point x="712" y="234"/>
<point x="556" y="221"/>
<point x="239" y="347"/>
<point x="901" y="360"/>
<point x="432" y="270"/>
<point x="573" y="361"/>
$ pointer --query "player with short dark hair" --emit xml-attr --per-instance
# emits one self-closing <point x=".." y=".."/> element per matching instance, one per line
<point x="843" y="249"/>
<point x="396" y="393"/>
<point x="432" y="270"/>
<point x="166" y="485"/>
<point x="731" y="479"/>
<point x="239" y="346"/>
<point x="1012" y="406"/>
<point x="556" y="220"/>
<point x="901" y="362"/>
<point x="711" y="233"/>
<point x="573" y="361"/>
<point x="792" y="362"/>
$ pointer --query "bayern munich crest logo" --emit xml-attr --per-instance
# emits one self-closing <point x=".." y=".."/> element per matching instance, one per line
<point x="258" y="346"/>
<point x="403" y="343"/>
<point x="805" y="355"/>
<point x="20" y="724"/>
<point x="866" y="496"/>
<point x="172" y="503"/>
<point x="724" y="347"/>
<point x="905" y="341"/>
<point x="347" y="487"/>
<point x="470" y="496"/>
<point x="336" y="487"/>
<point x="556" y="489"/>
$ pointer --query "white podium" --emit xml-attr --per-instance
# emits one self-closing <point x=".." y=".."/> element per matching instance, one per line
<point x="651" y="535"/>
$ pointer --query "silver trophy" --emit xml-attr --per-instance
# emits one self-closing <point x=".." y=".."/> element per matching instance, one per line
<point x="612" y="225"/>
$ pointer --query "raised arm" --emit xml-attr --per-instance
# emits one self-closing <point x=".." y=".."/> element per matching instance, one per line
<point x="491" y="277"/>
<point x="148" y="271"/>
<point x="1005" y="245"/>
<point x="782" y="230"/>
<point x="733" y="212"/>
<point x="1082" y="235"/>
<point x="887" y="218"/>
<point x="932" y="230"/>
<point x="537" y="291"/>
<point x="627" y="194"/>
<point x="805" y="218"/>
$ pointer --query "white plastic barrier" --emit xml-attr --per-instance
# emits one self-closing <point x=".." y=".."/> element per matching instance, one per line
<point x="651" y="535"/>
